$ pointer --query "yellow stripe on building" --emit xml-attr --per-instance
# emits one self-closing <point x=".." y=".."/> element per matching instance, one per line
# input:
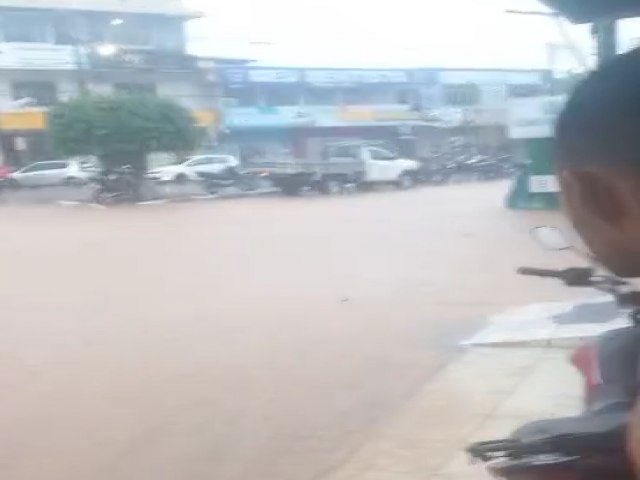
<point x="37" y="119"/>
<point x="205" y="118"/>
<point x="23" y="120"/>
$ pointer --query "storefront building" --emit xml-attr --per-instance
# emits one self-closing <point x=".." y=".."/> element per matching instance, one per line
<point x="51" y="51"/>
<point x="291" y="113"/>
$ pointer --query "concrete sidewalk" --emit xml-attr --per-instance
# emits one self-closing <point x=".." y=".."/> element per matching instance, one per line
<point x="483" y="395"/>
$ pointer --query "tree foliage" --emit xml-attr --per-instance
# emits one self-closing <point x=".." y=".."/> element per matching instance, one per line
<point x="121" y="129"/>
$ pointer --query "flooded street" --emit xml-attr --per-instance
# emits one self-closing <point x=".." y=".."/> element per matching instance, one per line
<point x="239" y="340"/>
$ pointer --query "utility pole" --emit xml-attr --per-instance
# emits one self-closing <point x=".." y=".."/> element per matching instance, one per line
<point x="80" y="61"/>
<point x="576" y="52"/>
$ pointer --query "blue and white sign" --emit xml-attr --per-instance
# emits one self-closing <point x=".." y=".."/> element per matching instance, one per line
<point x="350" y="77"/>
<point x="240" y="75"/>
<point x="321" y="116"/>
<point x="257" y="117"/>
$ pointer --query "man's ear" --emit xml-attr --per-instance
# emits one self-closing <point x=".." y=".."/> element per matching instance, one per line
<point x="595" y="192"/>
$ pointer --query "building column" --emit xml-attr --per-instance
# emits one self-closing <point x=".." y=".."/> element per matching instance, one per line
<point x="605" y="32"/>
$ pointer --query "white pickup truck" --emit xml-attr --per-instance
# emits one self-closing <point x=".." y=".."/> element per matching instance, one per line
<point x="342" y="164"/>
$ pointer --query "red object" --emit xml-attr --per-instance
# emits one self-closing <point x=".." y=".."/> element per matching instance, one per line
<point x="4" y="171"/>
<point x="585" y="359"/>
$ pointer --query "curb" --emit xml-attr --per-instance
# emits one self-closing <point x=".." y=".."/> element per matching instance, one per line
<point x="186" y="199"/>
<point x="556" y="343"/>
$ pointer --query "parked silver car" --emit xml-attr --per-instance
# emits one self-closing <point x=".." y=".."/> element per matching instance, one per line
<point x="55" y="172"/>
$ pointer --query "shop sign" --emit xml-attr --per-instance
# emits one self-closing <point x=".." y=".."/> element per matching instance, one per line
<point x="37" y="56"/>
<point x="389" y="116"/>
<point x="256" y="117"/>
<point x="490" y="77"/>
<point x="205" y="118"/>
<point x="30" y="119"/>
<point x="348" y="77"/>
<point x="325" y="116"/>
<point x="238" y="76"/>
<point x="235" y="76"/>
<point x="372" y="114"/>
<point x="543" y="184"/>
<point x="356" y="115"/>
<point x="273" y="76"/>
<point x="130" y="58"/>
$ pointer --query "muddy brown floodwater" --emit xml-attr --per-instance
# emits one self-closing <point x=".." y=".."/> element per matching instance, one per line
<point x="239" y="340"/>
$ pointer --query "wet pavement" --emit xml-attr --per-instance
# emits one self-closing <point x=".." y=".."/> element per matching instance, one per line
<point x="255" y="338"/>
<point x="484" y="395"/>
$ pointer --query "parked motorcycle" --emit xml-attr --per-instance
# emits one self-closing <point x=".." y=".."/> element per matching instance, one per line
<point x="592" y="445"/>
<point x="116" y="186"/>
<point x="442" y="169"/>
<point x="215" y="182"/>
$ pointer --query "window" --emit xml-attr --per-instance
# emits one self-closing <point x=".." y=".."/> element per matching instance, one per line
<point x="55" y="165"/>
<point x="242" y="97"/>
<point x="134" y="31"/>
<point x="25" y="27"/>
<point x="320" y="96"/>
<point x="168" y="34"/>
<point x="31" y="168"/>
<point x="220" y="160"/>
<point x="199" y="161"/>
<point x="461" y="95"/>
<point x="343" y="151"/>
<point x="137" y="89"/>
<point x="45" y="166"/>
<point x="354" y="96"/>
<point x="371" y="95"/>
<point x="525" y="90"/>
<point x="64" y="28"/>
<point x="278" y="95"/>
<point x="379" y="154"/>
<point x="43" y="94"/>
<point x="406" y="96"/>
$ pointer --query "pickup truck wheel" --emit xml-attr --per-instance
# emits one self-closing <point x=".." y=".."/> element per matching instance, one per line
<point x="330" y="186"/>
<point x="181" y="178"/>
<point x="406" y="181"/>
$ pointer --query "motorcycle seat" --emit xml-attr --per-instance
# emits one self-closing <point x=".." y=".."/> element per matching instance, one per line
<point x="604" y="431"/>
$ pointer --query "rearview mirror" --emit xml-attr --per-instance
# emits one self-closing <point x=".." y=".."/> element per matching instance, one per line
<point x="551" y="238"/>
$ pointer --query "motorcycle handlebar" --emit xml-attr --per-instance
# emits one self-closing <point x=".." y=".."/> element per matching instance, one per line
<point x="577" y="277"/>
<point x="540" y="272"/>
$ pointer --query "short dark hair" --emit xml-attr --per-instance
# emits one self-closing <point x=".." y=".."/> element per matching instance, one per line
<point x="600" y="124"/>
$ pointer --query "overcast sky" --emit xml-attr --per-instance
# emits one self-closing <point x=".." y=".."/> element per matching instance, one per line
<point x="387" y="33"/>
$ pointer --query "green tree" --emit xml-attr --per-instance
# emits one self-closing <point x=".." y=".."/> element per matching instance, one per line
<point x="121" y="129"/>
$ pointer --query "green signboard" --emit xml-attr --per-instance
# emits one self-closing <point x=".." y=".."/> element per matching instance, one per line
<point x="531" y="123"/>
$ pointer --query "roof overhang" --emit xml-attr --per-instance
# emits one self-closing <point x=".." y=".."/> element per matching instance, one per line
<point x="173" y="8"/>
<point x="587" y="11"/>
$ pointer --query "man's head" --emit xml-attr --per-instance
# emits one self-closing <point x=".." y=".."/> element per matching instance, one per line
<point x="598" y="162"/>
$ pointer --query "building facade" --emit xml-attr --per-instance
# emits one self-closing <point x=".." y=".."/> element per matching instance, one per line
<point x="287" y="112"/>
<point x="53" y="50"/>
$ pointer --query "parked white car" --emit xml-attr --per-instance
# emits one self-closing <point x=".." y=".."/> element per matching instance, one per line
<point x="54" y="172"/>
<point x="189" y="169"/>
